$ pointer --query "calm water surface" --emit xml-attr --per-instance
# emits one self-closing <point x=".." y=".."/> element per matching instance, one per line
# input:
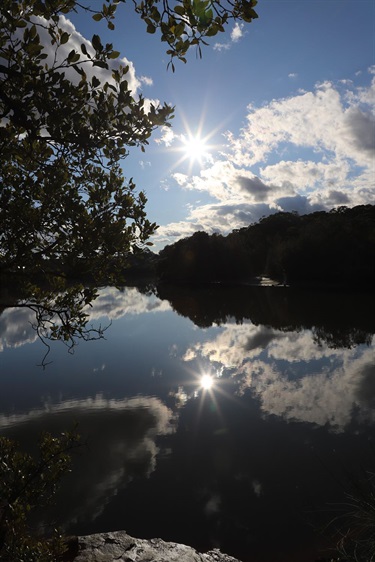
<point x="255" y="465"/>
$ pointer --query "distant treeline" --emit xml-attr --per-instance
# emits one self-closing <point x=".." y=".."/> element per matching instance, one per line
<point x="322" y="248"/>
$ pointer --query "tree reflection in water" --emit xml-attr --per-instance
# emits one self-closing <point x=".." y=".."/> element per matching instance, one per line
<point x="59" y="310"/>
<point x="338" y="318"/>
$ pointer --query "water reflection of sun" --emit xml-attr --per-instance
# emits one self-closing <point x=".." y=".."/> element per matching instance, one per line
<point x="205" y="384"/>
<point x="208" y="390"/>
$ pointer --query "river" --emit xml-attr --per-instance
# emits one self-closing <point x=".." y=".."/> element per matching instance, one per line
<point x="257" y="464"/>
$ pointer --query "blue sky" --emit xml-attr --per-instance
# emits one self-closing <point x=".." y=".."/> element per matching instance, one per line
<point x="284" y="105"/>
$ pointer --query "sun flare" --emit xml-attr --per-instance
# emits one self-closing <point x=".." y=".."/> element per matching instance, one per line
<point x="194" y="147"/>
<point x="206" y="382"/>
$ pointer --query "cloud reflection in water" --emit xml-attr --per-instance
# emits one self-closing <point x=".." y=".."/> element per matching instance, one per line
<point x="121" y="437"/>
<point x="112" y="303"/>
<point x="292" y="376"/>
<point x="16" y="327"/>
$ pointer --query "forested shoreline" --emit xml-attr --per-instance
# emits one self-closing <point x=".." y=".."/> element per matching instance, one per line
<point x="334" y="248"/>
<point x="322" y="248"/>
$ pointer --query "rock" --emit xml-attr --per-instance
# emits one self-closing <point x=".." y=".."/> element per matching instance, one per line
<point x="120" y="547"/>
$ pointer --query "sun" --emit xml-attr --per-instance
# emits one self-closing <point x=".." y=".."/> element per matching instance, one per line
<point x="206" y="382"/>
<point x="194" y="147"/>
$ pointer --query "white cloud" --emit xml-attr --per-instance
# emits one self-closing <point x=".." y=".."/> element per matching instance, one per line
<point x="173" y="231"/>
<point x="55" y="57"/>
<point x="237" y="32"/>
<point x="304" y="174"/>
<point x="146" y="80"/>
<point x="228" y="183"/>
<point x="75" y="42"/>
<point x="219" y="180"/>
<point x="235" y="35"/>
<point x="292" y="75"/>
<point x="222" y="46"/>
<point x="316" y="120"/>
<point x="167" y="136"/>
<point x="225" y="216"/>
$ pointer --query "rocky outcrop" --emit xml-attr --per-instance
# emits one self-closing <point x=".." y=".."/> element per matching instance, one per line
<point x="120" y="547"/>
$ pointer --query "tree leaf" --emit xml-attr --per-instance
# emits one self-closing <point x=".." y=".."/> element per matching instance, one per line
<point x="114" y="55"/>
<point x="64" y="38"/>
<point x="101" y="64"/>
<point x="96" y="42"/>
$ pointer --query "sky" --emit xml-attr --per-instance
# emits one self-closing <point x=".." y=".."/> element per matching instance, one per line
<point x="278" y="115"/>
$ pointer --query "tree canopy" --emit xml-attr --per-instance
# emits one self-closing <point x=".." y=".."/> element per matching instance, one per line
<point x="63" y="197"/>
<point x="67" y="118"/>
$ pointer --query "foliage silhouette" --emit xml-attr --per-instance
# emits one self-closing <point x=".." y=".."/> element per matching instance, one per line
<point x="323" y="248"/>
<point x="27" y="484"/>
